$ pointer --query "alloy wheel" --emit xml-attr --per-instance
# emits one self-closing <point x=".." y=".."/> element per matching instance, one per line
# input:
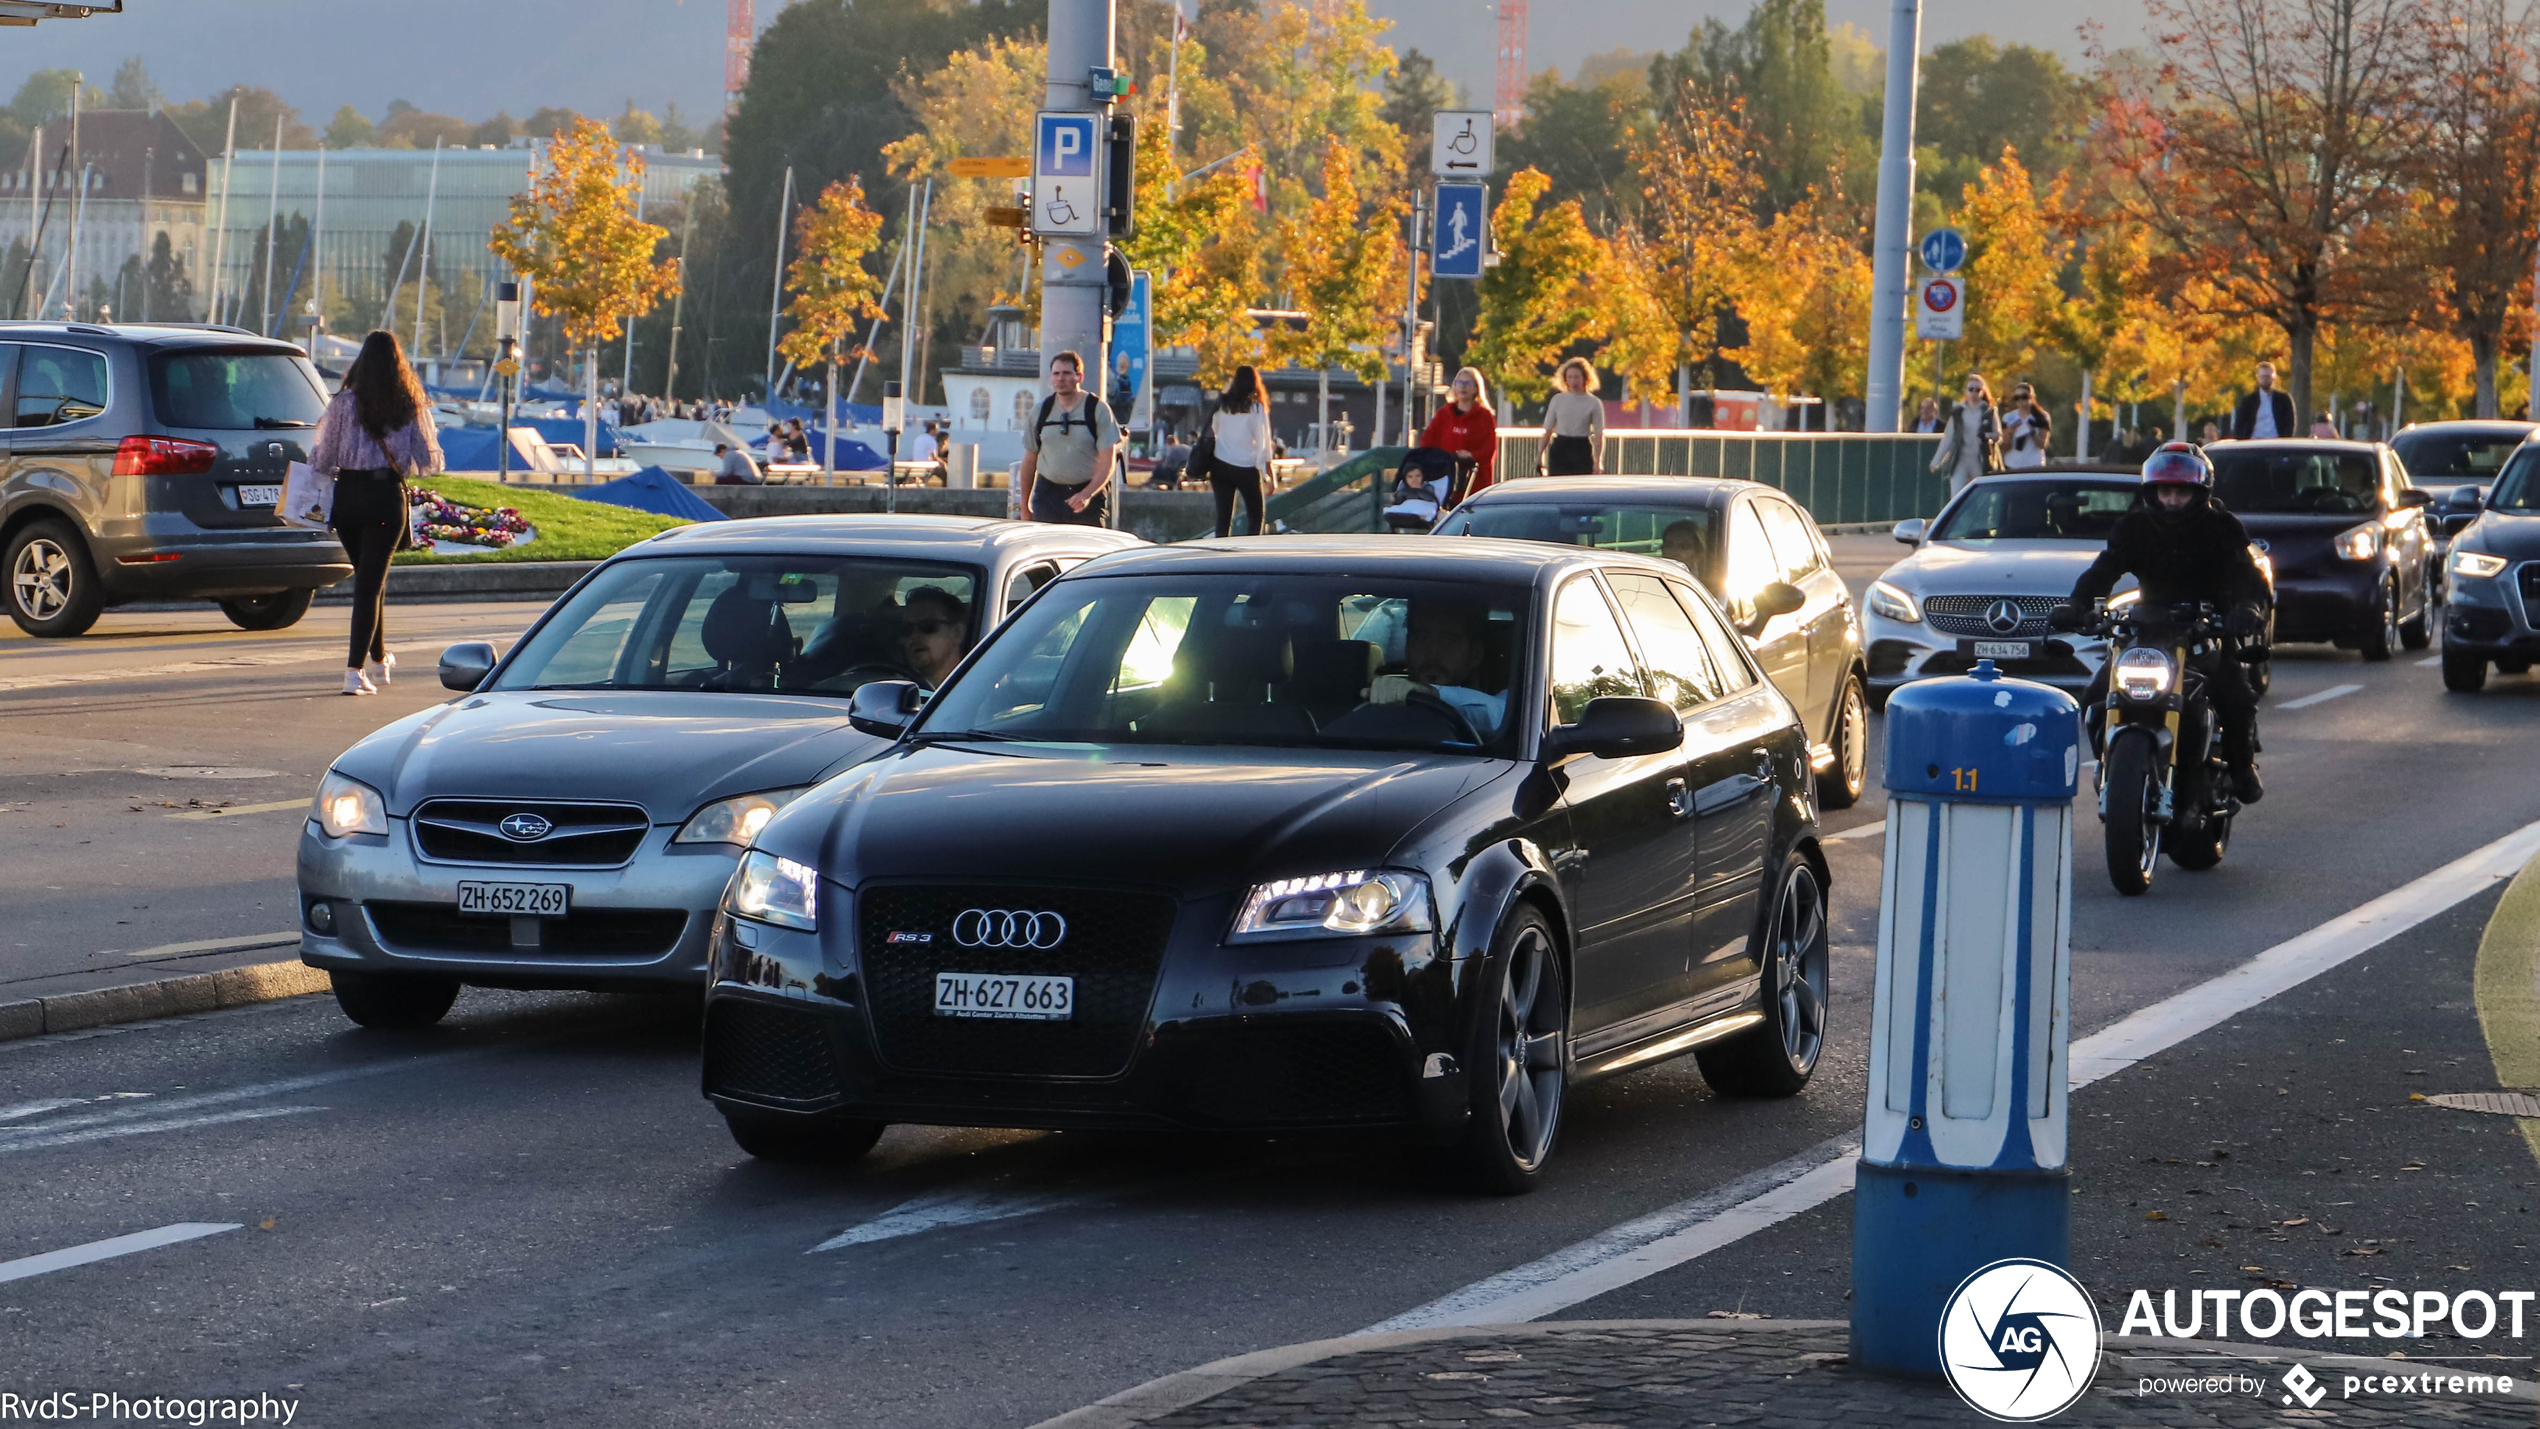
<point x="40" y="582"/>
<point x="1856" y="739"/>
<point x="1800" y="966"/>
<point x="1530" y="1051"/>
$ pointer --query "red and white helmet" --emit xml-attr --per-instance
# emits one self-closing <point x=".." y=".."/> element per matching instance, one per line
<point x="2179" y="464"/>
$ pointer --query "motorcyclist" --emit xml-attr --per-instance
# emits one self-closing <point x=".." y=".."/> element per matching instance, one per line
<point x="2181" y="546"/>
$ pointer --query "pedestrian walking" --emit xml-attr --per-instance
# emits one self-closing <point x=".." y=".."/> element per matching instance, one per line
<point x="2026" y="431"/>
<point x="2263" y="411"/>
<point x="2213" y="434"/>
<point x="1239" y="450"/>
<point x="1067" y="455"/>
<point x="1466" y="427"/>
<point x="1927" y="418"/>
<point x="376" y="432"/>
<point x="1574" y="423"/>
<point x="1971" y="445"/>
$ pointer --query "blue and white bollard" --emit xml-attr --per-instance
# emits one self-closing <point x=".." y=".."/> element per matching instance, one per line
<point x="1962" y="1148"/>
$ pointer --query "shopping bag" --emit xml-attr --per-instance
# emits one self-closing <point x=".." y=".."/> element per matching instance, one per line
<point x="308" y="499"/>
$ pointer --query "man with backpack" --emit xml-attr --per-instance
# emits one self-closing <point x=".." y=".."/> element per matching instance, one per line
<point x="1068" y="453"/>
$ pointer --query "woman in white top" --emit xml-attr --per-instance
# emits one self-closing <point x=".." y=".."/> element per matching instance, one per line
<point x="1574" y="423"/>
<point x="1971" y="445"/>
<point x="1240" y="465"/>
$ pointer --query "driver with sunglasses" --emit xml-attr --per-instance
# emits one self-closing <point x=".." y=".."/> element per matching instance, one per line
<point x="933" y="627"/>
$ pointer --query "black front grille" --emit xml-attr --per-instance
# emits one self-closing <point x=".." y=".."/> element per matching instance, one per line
<point x="1113" y="947"/>
<point x="2529" y="579"/>
<point x="1312" y="1074"/>
<point x="441" y="928"/>
<point x="578" y="835"/>
<point x="768" y="1053"/>
<point x="1964" y="615"/>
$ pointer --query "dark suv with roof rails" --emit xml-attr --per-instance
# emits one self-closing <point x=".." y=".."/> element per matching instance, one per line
<point x="146" y="462"/>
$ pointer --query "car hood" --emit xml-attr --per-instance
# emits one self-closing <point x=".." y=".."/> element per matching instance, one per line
<point x="2514" y="537"/>
<point x="669" y="751"/>
<point x="1997" y="568"/>
<point x="1201" y="820"/>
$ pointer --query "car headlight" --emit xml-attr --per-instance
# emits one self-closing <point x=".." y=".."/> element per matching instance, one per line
<point x="349" y="806"/>
<point x="2142" y="674"/>
<point x="1352" y="902"/>
<point x="1894" y="604"/>
<point x="2358" y="543"/>
<point x="774" y="890"/>
<point x="734" y="821"/>
<point x="2477" y="564"/>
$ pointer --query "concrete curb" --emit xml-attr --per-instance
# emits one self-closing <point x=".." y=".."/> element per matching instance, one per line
<point x="1160" y="1397"/>
<point x="164" y="997"/>
<point x="493" y="580"/>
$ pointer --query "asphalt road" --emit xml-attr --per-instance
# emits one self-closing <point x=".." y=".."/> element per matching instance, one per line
<point x="529" y="1214"/>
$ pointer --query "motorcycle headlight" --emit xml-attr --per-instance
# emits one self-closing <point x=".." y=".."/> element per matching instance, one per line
<point x="2358" y="543"/>
<point x="2477" y="565"/>
<point x="734" y="821"/>
<point x="1894" y="604"/>
<point x="1350" y="902"/>
<point x="349" y="806"/>
<point x="2142" y="674"/>
<point x="774" y="890"/>
<point x="2123" y="599"/>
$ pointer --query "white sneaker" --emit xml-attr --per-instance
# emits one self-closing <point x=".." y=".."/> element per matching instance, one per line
<point x="379" y="671"/>
<point x="356" y="683"/>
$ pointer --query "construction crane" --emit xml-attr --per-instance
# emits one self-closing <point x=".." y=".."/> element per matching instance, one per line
<point x="1510" y="100"/>
<point x="740" y="31"/>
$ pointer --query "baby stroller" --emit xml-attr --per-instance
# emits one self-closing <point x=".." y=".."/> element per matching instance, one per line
<point x="1429" y="480"/>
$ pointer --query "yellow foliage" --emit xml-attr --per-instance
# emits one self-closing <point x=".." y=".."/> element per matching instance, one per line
<point x="1544" y="295"/>
<point x="575" y="236"/>
<point x="1804" y="291"/>
<point x="832" y="288"/>
<point x="1345" y="270"/>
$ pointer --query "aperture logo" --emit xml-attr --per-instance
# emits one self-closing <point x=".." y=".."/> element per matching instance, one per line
<point x="2020" y="1341"/>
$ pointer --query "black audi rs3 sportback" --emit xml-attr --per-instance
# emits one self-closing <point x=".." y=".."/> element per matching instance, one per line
<point x="1296" y="834"/>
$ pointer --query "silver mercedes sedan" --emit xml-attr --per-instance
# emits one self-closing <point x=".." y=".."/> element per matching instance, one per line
<point x="570" y="820"/>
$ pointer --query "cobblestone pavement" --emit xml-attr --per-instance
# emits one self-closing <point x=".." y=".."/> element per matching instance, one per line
<point x="1668" y="1374"/>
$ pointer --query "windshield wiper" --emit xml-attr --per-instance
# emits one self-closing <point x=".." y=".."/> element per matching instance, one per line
<point x="969" y="736"/>
<point x="264" y="424"/>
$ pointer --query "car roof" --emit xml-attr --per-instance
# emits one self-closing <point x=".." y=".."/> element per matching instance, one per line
<point x="152" y="334"/>
<point x="1689" y="490"/>
<point x="1483" y="559"/>
<point x="2470" y="426"/>
<point x="912" y="537"/>
<point x="2279" y="444"/>
<point x="2111" y="474"/>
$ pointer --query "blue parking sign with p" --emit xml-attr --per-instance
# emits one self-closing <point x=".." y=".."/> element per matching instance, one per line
<point x="1067" y="146"/>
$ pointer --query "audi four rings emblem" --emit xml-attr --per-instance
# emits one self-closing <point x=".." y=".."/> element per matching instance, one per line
<point x="2004" y="616"/>
<point x="1004" y="928"/>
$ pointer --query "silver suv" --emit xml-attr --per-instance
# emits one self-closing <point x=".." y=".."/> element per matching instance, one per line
<point x="146" y="463"/>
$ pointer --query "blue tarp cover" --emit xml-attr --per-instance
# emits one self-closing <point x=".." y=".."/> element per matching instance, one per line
<point x="470" y="448"/>
<point x="651" y="489"/>
<point x="847" y="412"/>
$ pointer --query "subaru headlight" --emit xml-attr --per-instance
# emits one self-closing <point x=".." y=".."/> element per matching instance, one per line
<point x="2477" y="565"/>
<point x="2358" y="543"/>
<point x="1894" y="604"/>
<point x="734" y="821"/>
<point x="774" y="890"/>
<point x="2143" y="674"/>
<point x="349" y="806"/>
<point x="1350" y="902"/>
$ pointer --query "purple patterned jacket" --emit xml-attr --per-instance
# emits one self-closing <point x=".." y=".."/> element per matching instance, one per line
<point x="342" y="445"/>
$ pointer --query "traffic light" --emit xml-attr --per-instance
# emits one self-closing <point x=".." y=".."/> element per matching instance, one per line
<point x="1122" y="172"/>
<point x="1115" y="284"/>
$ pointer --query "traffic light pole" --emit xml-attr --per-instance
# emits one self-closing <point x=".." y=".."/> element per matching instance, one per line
<point x="1891" y="276"/>
<point x="1074" y="269"/>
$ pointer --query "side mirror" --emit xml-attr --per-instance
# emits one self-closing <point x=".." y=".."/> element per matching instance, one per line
<point x="2466" y="498"/>
<point x="1618" y="727"/>
<point x="1779" y="598"/>
<point x="884" y="707"/>
<point x="1910" y="533"/>
<point x="2415" y="497"/>
<point x="465" y="666"/>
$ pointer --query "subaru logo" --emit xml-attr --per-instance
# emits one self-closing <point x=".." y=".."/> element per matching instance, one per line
<point x="1001" y="928"/>
<point x="2004" y="616"/>
<point x="525" y="828"/>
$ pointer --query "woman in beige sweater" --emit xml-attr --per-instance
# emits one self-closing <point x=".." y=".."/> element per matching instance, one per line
<point x="1574" y="423"/>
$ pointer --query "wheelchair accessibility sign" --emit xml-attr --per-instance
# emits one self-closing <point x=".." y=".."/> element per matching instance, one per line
<point x="1067" y="175"/>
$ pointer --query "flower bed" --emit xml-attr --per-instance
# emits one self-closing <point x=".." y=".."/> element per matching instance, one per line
<point x="440" y="519"/>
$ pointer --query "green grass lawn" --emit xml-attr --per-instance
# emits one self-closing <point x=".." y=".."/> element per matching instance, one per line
<point x="569" y="529"/>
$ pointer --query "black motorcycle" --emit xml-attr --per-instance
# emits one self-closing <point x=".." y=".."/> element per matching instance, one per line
<point x="2163" y="782"/>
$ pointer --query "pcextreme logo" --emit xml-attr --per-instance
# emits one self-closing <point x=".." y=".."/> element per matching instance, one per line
<point x="2019" y="1341"/>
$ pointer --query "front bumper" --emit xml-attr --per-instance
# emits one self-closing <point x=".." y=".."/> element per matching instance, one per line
<point x="2342" y="602"/>
<point x="1901" y="653"/>
<point x="1340" y="1033"/>
<point x="643" y="925"/>
<point x="2491" y="616"/>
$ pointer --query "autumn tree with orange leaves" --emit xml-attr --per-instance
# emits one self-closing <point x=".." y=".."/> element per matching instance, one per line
<point x="833" y="289"/>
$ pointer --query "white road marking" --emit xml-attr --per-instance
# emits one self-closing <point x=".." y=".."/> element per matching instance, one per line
<point x="940" y="1211"/>
<point x="1866" y="831"/>
<point x="97" y="1250"/>
<point x="15" y="1137"/>
<point x="39" y="1140"/>
<point x="26" y="1109"/>
<point x="249" y="661"/>
<point x="1691" y="1228"/>
<point x="275" y="807"/>
<point x="2429" y="662"/>
<point x="217" y="945"/>
<point x="2321" y="698"/>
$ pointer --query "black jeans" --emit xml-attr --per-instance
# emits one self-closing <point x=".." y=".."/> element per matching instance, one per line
<point x="1569" y="456"/>
<point x="370" y="519"/>
<point x="1230" y="482"/>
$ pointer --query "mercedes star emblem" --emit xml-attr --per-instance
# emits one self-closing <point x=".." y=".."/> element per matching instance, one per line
<point x="2004" y="616"/>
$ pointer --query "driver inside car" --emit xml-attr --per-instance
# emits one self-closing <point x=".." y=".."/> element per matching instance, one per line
<point x="1443" y="648"/>
<point x="933" y="631"/>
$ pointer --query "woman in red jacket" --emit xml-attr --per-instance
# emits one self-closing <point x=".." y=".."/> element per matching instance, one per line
<point x="1465" y="428"/>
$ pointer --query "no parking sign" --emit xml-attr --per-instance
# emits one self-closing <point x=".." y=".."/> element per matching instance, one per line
<point x="1940" y="308"/>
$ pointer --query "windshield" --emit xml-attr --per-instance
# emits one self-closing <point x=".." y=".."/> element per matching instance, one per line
<point x="768" y="624"/>
<point x="235" y="391"/>
<point x="2450" y="458"/>
<point x="2518" y="490"/>
<point x="1681" y="534"/>
<point x="2329" y="483"/>
<point x="1295" y="661"/>
<point x="2038" y="511"/>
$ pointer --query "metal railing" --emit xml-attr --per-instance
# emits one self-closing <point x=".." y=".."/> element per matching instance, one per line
<point x="1348" y="498"/>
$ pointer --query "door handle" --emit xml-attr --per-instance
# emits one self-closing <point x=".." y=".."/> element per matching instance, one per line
<point x="1679" y="799"/>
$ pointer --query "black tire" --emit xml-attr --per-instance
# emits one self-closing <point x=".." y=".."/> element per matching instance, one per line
<point x="393" y="1002"/>
<point x="2418" y="633"/>
<point x="2464" y="673"/>
<point x="2380" y="640"/>
<point x="803" y="1141"/>
<point x="1776" y="1057"/>
<point x="1878" y="699"/>
<point x="1518" y="1061"/>
<point x="54" y="592"/>
<point x="1841" y="785"/>
<point x="2131" y="774"/>
<point x="276" y="610"/>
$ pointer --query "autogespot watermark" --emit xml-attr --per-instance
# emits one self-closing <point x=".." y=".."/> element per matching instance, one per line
<point x="63" y="1406"/>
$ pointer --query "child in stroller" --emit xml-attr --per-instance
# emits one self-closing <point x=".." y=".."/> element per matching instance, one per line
<point x="1428" y="481"/>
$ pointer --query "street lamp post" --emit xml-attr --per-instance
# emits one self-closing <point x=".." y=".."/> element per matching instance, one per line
<point x="1890" y="275"/>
